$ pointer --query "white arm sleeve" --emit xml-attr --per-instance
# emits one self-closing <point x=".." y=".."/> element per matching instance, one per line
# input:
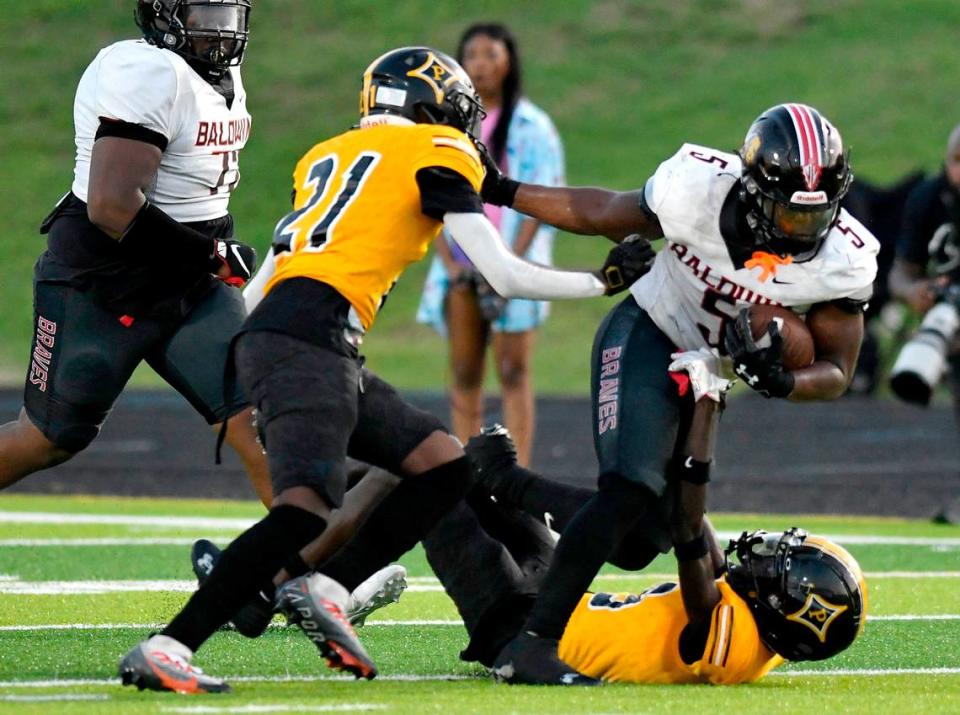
<point x="510" y="275"/>
<point x="253" y="292"/>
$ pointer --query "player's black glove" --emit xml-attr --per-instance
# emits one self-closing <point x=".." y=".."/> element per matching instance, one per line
<point x="497" y="189"/>
<point x="626" y="262"/>
<point x="239" y="259"/>
<point x="761" y="368"/>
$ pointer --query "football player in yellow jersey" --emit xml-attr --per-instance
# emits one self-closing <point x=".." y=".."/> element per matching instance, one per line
<point x="367" y="203"/>
<point x="778" y="596"/>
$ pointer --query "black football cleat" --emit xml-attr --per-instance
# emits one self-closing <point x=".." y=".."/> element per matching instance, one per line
<point x="203" y="557"/>
<point x="492" y="454"/>
<point x="162" y="663"/>
<point x="316" y="603"/>
<point x="531" y="660"/>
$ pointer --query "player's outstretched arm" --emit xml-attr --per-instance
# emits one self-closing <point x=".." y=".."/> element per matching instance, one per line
<point x="837" y="335"/>
<point x="584" y="210"/>
<point x="513" y="277"/>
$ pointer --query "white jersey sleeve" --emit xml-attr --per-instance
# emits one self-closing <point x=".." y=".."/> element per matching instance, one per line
<point x="134" y="82"/>
<point x="139" y="85"/>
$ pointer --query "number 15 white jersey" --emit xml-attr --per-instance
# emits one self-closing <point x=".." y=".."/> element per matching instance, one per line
<point x="694" y="287"/>
<point x="134" y="82"/>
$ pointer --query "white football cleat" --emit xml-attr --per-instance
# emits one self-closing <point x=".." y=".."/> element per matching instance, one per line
<point x="381" y="589"/>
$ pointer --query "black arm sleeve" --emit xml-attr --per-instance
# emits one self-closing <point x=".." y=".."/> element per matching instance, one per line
<point x="126" y="130"/>
<point x="443" y="190"/>
<point x="154" y="237"/>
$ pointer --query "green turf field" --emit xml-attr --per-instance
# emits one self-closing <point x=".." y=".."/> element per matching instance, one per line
<point x="626" y="81"/>
<point x="82" y="579"/>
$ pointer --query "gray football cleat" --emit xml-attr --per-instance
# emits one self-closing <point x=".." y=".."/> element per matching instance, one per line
<point x="381" y="589"/>
<point x="162" y="663"/>
<point x="316" y="603"/>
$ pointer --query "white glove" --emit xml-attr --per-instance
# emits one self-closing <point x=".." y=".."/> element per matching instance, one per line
<point x="703" y="368"/>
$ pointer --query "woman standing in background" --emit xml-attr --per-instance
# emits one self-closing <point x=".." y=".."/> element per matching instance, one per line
<point x="456" y="300"/>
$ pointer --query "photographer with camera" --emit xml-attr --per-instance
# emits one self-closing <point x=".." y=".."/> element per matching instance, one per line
<point x="926" y="276"/>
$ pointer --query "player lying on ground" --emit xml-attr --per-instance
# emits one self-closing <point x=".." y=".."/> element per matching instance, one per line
<point x="730" y="620"/>
<point x="760" y="227"/>
<point x="367" y="204"/>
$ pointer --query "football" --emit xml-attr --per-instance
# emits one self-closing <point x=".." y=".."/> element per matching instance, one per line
<point x="797" y="341"/>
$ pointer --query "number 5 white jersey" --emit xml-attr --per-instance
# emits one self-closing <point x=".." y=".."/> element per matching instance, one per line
<point x="134" y="82"/>
<point x="694" y="286"/>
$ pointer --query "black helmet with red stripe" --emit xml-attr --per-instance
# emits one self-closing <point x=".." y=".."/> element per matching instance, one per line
<point x="807" y="594"/>
<point x="795" y="173"/>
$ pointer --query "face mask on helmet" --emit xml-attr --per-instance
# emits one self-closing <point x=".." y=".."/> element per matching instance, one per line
<point x="211" y="35"/>
<point x="421" y="85"/>
<point x="795" y="173"/>
<point x="807" y="594"/>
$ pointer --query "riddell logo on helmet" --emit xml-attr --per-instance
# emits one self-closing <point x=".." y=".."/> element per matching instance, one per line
<point x="809" y="198"/>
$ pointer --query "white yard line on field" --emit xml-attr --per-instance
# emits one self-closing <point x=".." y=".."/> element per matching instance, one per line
<point x="387" y="623"/>
<point x="422" y="584"/>
<point x="112" y="682"/>
<point x="869" y="672"/>
<point x="198" y="522"/>
<point x="219" y="523"/>
<point x="106" y="541"/>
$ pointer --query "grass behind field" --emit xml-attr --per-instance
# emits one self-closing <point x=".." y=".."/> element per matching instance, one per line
<point x="47" y="664"/>
<point x="626" y="83"/>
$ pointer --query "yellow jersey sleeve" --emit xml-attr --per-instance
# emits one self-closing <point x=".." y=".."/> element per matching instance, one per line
<point x="734" y="652"/>
<point x="451" y="149"/>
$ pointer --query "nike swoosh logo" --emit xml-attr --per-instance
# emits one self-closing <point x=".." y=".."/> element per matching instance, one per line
<point x="236" y="253"/>
<point x="782" y="283"/>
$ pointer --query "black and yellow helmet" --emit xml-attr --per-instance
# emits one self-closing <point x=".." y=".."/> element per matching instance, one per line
<point x="424" y="86"/>
<point x="806" y="593"/>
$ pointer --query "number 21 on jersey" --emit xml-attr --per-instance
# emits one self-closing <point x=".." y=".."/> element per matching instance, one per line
<point x="312" y="226"/>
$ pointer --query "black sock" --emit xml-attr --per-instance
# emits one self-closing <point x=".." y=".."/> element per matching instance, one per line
<point x="527" y="538"/>
<point x="250" y="561"/>
<point x="401" y="520"/>
<point x="534" y="494"/>
<point x="584" y="546"/>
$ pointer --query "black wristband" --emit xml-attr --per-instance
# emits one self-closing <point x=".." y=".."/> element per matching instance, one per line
<point x="154" y="237"/>
<point x="501" y="192"/>
<point x="692" y="550"/>
<point x="693" y="471"/>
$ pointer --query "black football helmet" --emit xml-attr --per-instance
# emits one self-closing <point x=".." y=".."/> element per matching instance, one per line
<point x="423" y="85"/>
<point x="210" y="34"/>
<point x="807" y="594"/>
<point x="795" y="173"/>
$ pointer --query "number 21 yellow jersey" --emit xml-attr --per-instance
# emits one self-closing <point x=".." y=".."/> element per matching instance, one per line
<point x="357" y="221"/>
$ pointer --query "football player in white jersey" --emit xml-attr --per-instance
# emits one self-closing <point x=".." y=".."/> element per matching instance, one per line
<point x="136" y="246"/>
<point x="760" y="227"/>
